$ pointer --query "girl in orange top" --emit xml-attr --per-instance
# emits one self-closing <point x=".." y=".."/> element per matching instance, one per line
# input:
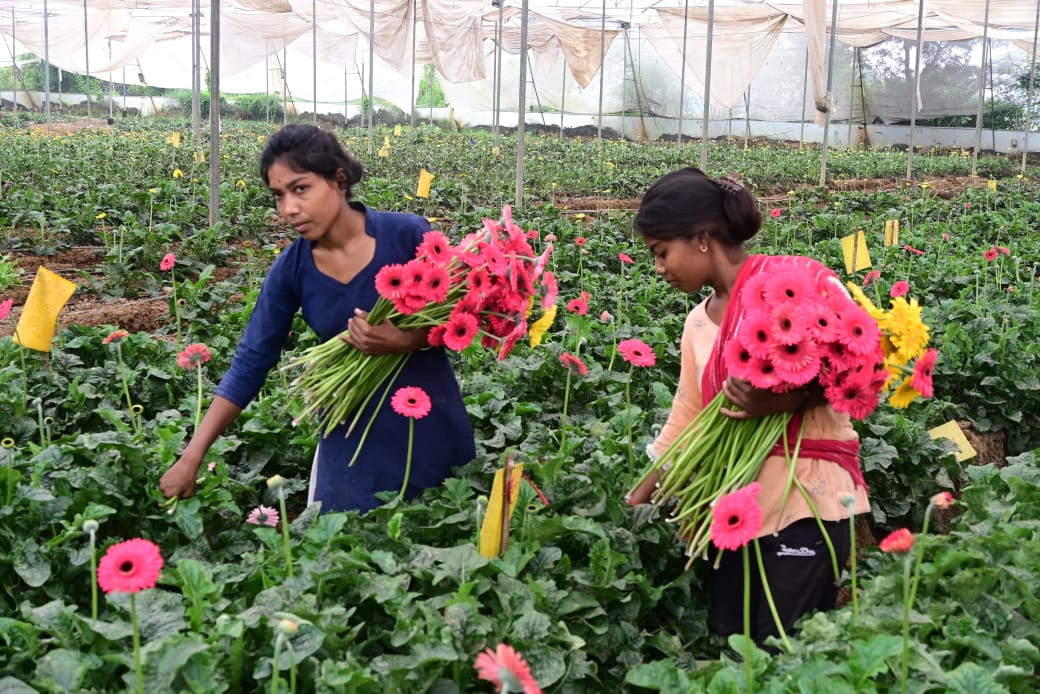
<point x="696" y="228"/>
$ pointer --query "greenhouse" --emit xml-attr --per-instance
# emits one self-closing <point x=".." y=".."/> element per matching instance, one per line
<point x="523" y="346"/>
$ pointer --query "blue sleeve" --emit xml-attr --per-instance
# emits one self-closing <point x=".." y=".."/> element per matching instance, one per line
<point x="266" y="332"/>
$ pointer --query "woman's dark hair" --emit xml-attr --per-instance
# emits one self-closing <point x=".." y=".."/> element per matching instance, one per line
<point x="309" y="148"/>
<point x="686" y="203"/>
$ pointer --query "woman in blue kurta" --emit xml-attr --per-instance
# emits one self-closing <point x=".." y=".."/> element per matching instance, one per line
<point x="328" y="274"/>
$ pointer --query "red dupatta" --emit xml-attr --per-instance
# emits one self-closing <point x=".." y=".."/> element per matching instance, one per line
<point x="843" y="453"/>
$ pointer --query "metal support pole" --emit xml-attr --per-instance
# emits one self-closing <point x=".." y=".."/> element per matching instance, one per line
<point x="624" y="81"/>
<point x="86" y="58"/>
<point x="497" y="97"/>
<point x="196" y="71"/>
<point x="916" y="90"/>
<point x="1029" y="96"/>
<point x="46" y="65"/>
<point x="830" y="84"/>
<point x="521" y="109"/>
<point x="707" y="86"/>
<point x="371" y="74"/>
<point x="415" y="24"/>
<point x="982" y="93"/>
<point x="563" y="97"/>
<point x="314" y="61"/>
<point x="602" y="69"/>
<point x="214" y="112"/>
<point x="805" y="96"/>
<point x="682" y="69"/>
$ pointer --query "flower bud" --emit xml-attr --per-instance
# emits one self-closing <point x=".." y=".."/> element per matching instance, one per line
<point x="90" y="526"/>
<point x="275" y="482"/>
<point x="288" y="627"/>
<point x="942" y="500"/>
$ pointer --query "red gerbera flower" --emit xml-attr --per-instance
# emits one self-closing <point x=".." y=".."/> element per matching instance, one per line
<point x="775" y="212"/>
<point x="871" y="276"/>
<point x="194" y="356"/>
<point x="897" y="542"/>
<point x="923" y="369"/>
<point x="392" y="281"/>
<point x="548" y="290"/>
<point x="579" y="306"/>
<point x="436" y="335"/>
<point x="899" y="288"/>
<point x="167" y="263"/>
<point x="114" y="336"/>
<point x="574" y="364"/>
<point x="736" y="518"/>
<point x="1002" y="249"/>
<point x="506" y="669"/>
<point x="911" y="249"/>
<point x="625" y="258"/>
<point x="580" y="241"/>
<point x="411" y="401"/>
<point x="460" y="330"/>
<point x="129" y="567"/>
<point x="435" y="247"/>
<point x="990" y="255"/>
<point x="942" y="500"/>
<point x="855" y="395"/>
<point x="636" y="352"/>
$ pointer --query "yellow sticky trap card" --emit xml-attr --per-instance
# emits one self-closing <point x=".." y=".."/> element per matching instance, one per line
<point x="992" y="184"/>
<point x="891" y="232"/>
<point x="425" y="179"/>
<point x="491" y="528"/>
<point x="47" y="297"/>
<point x="854" y="248"/>
<point x="397" y="131"/>
<point x="953" y="432"/>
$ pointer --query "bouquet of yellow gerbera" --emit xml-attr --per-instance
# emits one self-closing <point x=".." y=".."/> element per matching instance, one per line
<point x="904" y="337"/>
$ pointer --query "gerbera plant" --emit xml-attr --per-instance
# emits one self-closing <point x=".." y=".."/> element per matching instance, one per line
<point x="193" y="357"/>
<point x="481" y="288"/>
<point x="166" y="265"/>
<point x="130" y="567"/>
<point x="411" y="402"/>
<point x="638" y="354"/>
<point x="507" y="670"/>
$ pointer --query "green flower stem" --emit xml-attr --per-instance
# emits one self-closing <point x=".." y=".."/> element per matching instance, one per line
<point x="138" y="671"/>
<point x="904" y="667"/>
<point x="93" y="577"/>
<point x="408" y="459"/>
<point x="274" y="664"/>
<point x="852" y="567"/>
<point x="792" y="463"/>
<point x="21" y="355"/>
<point x="823" y="529"/>
<point x="292" y="668"/>
<point x="910" y="593"/>
<point x="628" y="420"/>
<point x="769" y="595"/>
<point x="364" y="435"/>
<point x="563" y="415"/>
<point x="285" y="535"/>
<point x="126" y="388"/>
<point x="176" y="307"/>
<point x="747" y="619"/>
<point x="198" y="397"/>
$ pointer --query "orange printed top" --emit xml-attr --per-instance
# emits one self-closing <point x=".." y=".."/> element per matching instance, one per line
<point x="825" y="481"/>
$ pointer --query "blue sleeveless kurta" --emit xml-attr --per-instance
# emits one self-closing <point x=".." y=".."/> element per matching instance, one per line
<point x="442" y="439"/>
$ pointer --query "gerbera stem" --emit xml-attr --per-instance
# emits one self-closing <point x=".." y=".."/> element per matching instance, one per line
<point x="628" y="420"/>
<point x="904" y="668"/>
<point x="274" y="665"/>
<point x="198" y="397"/>
<point x="913" y="583"/>
<point x="138" y="672"/>
<point x="563" y="416"/>
<point x="769" y="595"/>
<point x="176" y="307"/>
<point x="93" y="577"/>
<point x="852" y="566"/>
<point x="408" y="458"/>
<point x="285" y="535"/>
<point x="747" y="617"/>
<point x="126" y="388"/>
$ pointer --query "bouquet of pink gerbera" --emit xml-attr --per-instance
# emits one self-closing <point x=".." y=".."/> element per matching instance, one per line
<point x="789" y="324"/>
<point x="486" y="285"/>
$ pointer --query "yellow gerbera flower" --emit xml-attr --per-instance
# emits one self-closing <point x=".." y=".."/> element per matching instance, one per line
<point x="177" y="173"/>
<point x="862" y="300"/>
<point x="540" y="326"/>
<point x="903" y="395"/>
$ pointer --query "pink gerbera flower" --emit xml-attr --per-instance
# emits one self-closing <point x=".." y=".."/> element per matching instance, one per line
<point x="990" y="255"/>
<point x="167" y="263"/>
<point x="738" y="360"/>
<point x="479" y="281"/>
<point x="411" y="401"/>
<point x="923" y="369"/>
<point x="911" y="249"/>
<point x="736" y="518"/>
<point x="788" y="285"/>
<point x="898" y="542"/>
<point x="871" y="277"/>
<point x="580" y="241"/>
<point x="460" y="330"/>
<point x="788" y="322"/>
<point x="130" y="567"/>
<point x="797" y="363"/>
<point x="548" y="290"/>
<point x="856" y="395"/>
<point x="436" y="283"/>
<point x="392" y="281"/>
<point x="775" y="212"/>
<point x="506" y="669"/>
<point x="754" y="290"/>
<point x="574" y="364"/>
<point x="5" y="308"/>
<point x="819" y="321"/>
<point x="114" y="336"/>
<point x="636" y="352"/>
<point x="899" y="288"/>
<point x="625" y="258"/>
<point x="263" y="515"/>
<point x="762" y="373"/>
<point x="858" y="331"/>
<point x="754" y="332"/>
<point x="435" y="247"/>
<point x="194" y="356"/>
<point x="436" y="335"/>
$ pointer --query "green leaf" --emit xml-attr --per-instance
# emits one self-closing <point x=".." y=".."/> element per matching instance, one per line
<point x="970" y="678"/>
<point x="532" y="626"/>
<point x="64" y="670"/>
<point x="870" y="658"/>
<point x="165" y="661"/>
